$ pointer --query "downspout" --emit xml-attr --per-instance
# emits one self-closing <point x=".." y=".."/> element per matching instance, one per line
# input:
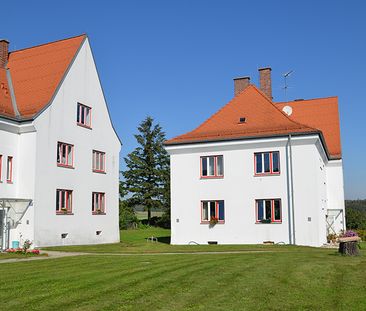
<point x="290" y="193"/>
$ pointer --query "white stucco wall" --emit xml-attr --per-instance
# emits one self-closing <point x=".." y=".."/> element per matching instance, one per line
<point x="240" y="188"/>
<point x="19" y="142"/>
<point x="58" y="123"/>
<point x="335" y="192"/>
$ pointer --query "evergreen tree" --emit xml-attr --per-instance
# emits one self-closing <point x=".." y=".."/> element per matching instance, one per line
<point x="147" y="177"/>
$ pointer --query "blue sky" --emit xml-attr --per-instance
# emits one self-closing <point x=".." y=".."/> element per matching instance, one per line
<point x="175" y="60"/>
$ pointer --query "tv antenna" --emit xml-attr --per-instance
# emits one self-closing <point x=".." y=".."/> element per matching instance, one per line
<point x="285" y="88"/>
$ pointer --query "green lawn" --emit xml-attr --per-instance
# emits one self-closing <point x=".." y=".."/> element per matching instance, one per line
<point x="134" y="241"/>
<point x="20" y="256"/>
<point x="286" y="278"/>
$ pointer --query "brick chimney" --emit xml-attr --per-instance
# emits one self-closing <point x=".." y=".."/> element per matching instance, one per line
<point x="4" y="52"/>
<point x="240" y="84"/>
<point x="265" y="82"/>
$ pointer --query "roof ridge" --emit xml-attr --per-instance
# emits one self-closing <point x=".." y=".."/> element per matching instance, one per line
<point x="306" y="100"/>
<point x="51" y="42"/>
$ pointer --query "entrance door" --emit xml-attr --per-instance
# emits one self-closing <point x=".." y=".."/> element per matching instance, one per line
<point x="334" y="221"/>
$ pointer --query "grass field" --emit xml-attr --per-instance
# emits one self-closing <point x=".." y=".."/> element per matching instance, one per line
<point x="283" y="278"/>
<point x="143" y="214"/>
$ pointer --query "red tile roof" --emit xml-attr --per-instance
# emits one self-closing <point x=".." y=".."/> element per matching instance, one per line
<point x="36" y="73"/>
<point x="320" y="113"/>
<point x="263" y="118"/>
<point x="6" y="107"/>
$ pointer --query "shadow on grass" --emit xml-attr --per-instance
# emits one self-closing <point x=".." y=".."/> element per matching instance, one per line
<point x="164" y="239"/>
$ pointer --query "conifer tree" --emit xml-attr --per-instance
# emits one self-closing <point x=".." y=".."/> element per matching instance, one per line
<point x="147" y="176"/>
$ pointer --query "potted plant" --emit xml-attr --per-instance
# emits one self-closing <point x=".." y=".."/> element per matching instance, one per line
<point x="266" y="221"/>
<point x="213" y="221"/>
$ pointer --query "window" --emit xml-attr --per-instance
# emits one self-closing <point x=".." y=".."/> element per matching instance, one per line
<point x="63" y="201"/>
<point x="9" y="170"/>
<point x="267" y="163"/>
<point x="268" y="211"/>
<point x="83" y="116"/>
<point x="212" y="209"/>
<point x="65" y="154"/>
<point x="98" y="203"/>
<point x="98" y="161"/>
<point x="212" y="166"/>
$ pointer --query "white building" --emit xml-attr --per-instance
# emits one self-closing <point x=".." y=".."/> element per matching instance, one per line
<point x="59" y="153"/>
<point x="262" y="171"/>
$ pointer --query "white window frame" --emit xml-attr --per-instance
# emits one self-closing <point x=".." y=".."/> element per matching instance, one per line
<point x="84" y="115"/>
<point x="65" y="161"/>
<point x="270" y="164"/>
<point x="272" y="217"/>
<point x="9" y="169"/>
<point x="214" y="160"/>
<point x="64" y="201"/>
<point x="99" y="161"/>
<point x="217" y="213"/>
<point x="98" y="203"/>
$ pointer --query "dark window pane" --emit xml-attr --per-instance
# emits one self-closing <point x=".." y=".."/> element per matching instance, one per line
<point x="220" y="166"/>
<point x="78" y="114"/>
<point x="82" y="120"/>
<point x="62" y="194"/>
<point x="266" y="163"/>
<point x="58" y="153"/>
<point x="268" y="209"/>
<point x="205" y="211"/>
<point x="212" y="209"/>
<point x="57" y="200"/>
<point x="204" y="166"/>
<point x="276" y="162"/>
<point x="211" y="166"/>
<point x="260" y="209"/>
<point x="277" y="210"/>
<point x="221" y="210"/>
<point x="259" y="165"/>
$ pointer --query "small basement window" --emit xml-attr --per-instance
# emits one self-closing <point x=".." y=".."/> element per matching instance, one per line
<point x="64" y="235"/>
<point x="98" y="232"/>
<point x="242" y="120"/>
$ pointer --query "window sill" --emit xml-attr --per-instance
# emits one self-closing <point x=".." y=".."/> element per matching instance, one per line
<point x="9" y="181"/>
<point x="84" y="125"/>
<point x="99" y="172"/>
<point x="65" y="166"/>
<point x="268" y="223"/>
<point x="267" y="174"/>
<point x="221" y="222"/>
<point x="62" y="213"/>
<point x="212" y="177"/>
<point x="95" y="213"/>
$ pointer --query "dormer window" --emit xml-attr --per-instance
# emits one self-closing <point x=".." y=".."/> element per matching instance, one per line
<point x="83" y="116"/>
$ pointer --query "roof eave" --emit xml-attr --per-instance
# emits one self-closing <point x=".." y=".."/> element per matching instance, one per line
<point x="190" y="142"/>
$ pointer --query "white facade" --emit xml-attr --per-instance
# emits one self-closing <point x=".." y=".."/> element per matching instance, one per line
<point x="33" y="146"/>
<point x="307" y="179"/>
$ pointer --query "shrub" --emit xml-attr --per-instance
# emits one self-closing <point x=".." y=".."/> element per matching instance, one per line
<point x="164" y="221"/>
<point x="361" y="234"/>
<point x="127" y="217"/>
